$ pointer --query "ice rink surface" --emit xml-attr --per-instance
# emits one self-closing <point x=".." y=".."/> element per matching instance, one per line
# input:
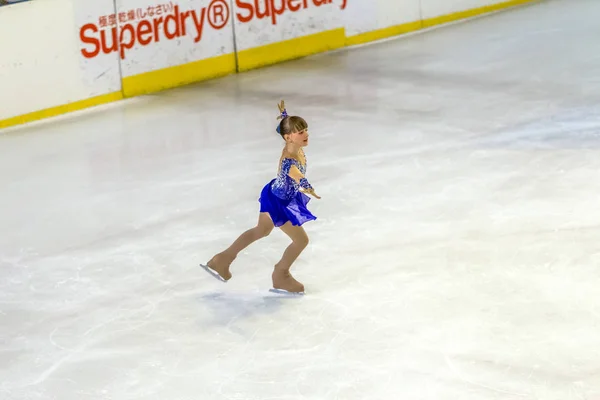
<point x="456" y="255"/>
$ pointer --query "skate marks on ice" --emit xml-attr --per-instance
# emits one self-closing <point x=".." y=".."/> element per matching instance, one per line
<point x="232" y="307"/>
<point x="241" y="301"/>
<point x="575" y="129"/>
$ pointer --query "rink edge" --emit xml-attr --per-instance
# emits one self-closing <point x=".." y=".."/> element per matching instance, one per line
<point x="62" y="109"/>
<point x="254" y="58"/>
<point x="474" y="12"/>
<point x="408" y="27"/>
<point x="291" y="49"/>
<point x="384" y="33"/>
<point x="180" y="75"/>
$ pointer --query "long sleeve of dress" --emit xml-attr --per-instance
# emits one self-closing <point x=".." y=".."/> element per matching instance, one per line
<point x="288" y="181"/>
<point x="286" y="167"/>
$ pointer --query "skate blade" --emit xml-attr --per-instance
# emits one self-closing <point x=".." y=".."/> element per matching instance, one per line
<point x="213" y="272"/>
<point x="286" y="293"/>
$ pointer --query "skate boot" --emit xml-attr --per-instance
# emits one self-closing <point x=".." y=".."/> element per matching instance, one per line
<point x="218" y="266"/>
<point x="284" y="282"/>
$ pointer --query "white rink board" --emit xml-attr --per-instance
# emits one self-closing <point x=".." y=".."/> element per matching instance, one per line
<point x="365" y="16"/>
<point x="67" y="51"/>
<point x="103" y="68"/>
<point x="279" y="20"/>
<point x="40" y="63"/>
<point x="156" y="35"/>
<point x="436" y="8"/>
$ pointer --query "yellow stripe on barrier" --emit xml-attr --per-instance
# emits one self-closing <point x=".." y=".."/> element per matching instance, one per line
<point x="62" y="109"/>
<point x="444" y="19"/>
<point x="291" y="49"/>
<point x="384" y="33"/>
<point x="257" y="57"/>
<point x="167" y="78"/>
<point x="397" y="30"/>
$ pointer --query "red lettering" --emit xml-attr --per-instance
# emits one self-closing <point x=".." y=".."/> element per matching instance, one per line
<point x="124" y="45"/>
<point x="293" y="7"/>
<point x="184" y="16"/>
<point x="173" y="18"/>
<point x="89" y="40"/>
<point x="199" y="23"/>
<point x="114" y="46"/>
<point x="156" y="29"/>
<point x="247" y="7"/>
<point x="276" y="11"/>
<point x="219" y="11"/>
<point x="143" y="29"/>
<point x="260" y="14"/>
<point x="174" y="23"/>
<point x="272" y="9"/>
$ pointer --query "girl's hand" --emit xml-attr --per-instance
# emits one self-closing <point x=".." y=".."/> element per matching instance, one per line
<point x="312" y="192"/>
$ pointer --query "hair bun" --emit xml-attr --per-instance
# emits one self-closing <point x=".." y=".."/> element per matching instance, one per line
<point x="282" y="111"/>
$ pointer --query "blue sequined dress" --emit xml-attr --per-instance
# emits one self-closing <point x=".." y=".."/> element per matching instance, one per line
<point x="282" y="197"/>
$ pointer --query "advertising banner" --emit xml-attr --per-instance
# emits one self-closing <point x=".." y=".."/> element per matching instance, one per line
<point x="147" y="36"/>
<point x="263" y="22"/>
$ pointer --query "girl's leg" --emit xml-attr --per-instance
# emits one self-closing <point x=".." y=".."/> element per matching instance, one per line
<point x="221" y="262"/>
<point x="282" y="279"/>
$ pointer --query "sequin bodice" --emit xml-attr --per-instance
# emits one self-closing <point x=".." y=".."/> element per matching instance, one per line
<point x="284" y="186"/>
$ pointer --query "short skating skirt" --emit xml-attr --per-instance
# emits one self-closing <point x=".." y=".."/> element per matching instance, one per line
<point x="282" y="211"/>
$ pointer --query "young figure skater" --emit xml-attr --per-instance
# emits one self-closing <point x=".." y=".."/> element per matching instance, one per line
<point x="282" y="204"/>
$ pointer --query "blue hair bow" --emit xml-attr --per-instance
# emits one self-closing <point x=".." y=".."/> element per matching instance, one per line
<point x="282" y="116"/>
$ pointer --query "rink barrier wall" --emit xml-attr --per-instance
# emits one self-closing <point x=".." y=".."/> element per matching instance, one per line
<point x="291" y="49"/>
<point x="384" y="33"/>
<point x="409" y="27"/>
<point x="222" y="65"/>
<point x="474" y="12"/>
<point x="60" y="110"/>
<point x="171" y="77"/>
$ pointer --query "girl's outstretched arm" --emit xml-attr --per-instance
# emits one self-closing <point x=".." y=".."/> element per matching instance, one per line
<point x="294" y="173"/>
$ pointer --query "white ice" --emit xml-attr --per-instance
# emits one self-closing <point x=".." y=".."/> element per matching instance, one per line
<point x="456" y="255"/>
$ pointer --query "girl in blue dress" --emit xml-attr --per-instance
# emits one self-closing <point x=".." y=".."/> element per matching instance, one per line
<point x="283" y="204"/>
